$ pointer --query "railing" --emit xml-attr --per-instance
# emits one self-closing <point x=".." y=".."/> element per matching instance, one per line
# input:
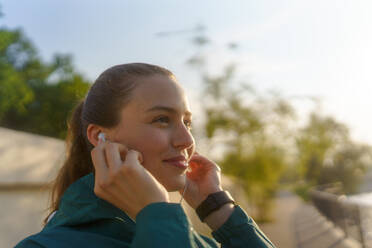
<point x="354" y="219"/>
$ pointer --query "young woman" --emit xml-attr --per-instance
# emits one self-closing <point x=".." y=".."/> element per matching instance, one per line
<point x="129" y="144"/>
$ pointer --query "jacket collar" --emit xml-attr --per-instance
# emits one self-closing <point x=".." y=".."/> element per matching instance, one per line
<point x="82" y="209"/>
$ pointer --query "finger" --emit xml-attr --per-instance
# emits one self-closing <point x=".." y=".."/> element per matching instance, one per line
<point x="198" y="164"/>
<point x="203" y="161"/>
<point x="192" y="175"/>
<point x="99" y="161"/>
<point x="193" y="165"/>
<point x="197" y="157"/>
<point x="207" y="165"/>
<point x="133" y="157"/>
<point x="123" y="150"/>
<point x="196" y="170"/>
<point x="112" y="153"/>
<point x="117" y="151"/>
<point x="140" y="157"/>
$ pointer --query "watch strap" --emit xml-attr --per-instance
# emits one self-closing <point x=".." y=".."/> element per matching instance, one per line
<point x="212" y="203"/>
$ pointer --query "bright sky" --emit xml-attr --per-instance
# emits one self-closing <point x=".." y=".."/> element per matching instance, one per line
<point x="299" y="48"/>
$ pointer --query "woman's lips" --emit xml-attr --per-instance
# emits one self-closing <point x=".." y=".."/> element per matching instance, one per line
<point x="178" y="163"/>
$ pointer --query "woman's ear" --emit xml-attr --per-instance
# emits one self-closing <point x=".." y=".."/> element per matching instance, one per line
<point x="92" y="133"/>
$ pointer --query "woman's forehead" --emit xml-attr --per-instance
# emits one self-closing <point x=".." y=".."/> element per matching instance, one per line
<point x="158" y="93"/>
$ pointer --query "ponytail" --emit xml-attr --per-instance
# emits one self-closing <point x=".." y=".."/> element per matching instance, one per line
<point x="78" y="161"/>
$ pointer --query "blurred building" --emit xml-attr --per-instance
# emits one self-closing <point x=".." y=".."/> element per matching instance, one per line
<point x="27" y="163"/>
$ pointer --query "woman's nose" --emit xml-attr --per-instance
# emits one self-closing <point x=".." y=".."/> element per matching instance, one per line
<point x="183" y="139"/>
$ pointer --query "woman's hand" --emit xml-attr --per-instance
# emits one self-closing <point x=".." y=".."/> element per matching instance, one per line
<point x="121" y="179"/>
<point x="203" y="179"/>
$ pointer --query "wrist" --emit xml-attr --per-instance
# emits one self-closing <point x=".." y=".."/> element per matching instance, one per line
<point x="217" y="218"/>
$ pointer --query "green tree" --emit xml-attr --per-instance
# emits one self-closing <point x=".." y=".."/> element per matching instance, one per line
<point x="348" y="166"/>
<point x="36" y="96"/>
<point x="251" y="133"/>
<point x="327" y="154"/>
<point x="15" y="51"/>
<point x="317" y="140"/>
<point x="251" y="128"/>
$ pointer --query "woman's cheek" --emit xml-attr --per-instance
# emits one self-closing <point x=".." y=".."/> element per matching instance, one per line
<point x="156" y="141"/>
<point x="152" y="143"/>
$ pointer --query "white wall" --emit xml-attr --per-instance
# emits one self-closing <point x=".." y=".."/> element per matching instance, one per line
<point x="21" y="214"/>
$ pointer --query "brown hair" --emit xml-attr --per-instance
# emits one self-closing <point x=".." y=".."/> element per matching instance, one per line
<point x="107" y="96"/>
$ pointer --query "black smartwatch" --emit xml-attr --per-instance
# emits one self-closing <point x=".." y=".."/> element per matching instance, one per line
<point x="213" y="202"/>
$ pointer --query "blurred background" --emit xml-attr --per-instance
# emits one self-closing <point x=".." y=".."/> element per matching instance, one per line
<point x="280" y="93"/>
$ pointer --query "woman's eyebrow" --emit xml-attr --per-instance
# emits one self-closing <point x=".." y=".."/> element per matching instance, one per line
<point x="167" y="109"/>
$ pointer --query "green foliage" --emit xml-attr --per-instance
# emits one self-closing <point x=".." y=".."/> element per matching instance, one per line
<point x="36" y="96"/>
<point x="15" y="50"/>
<point x="315" y="141"/>
<point x="251" y="128"/>
<point x="303" y="191"/>
<point x="348" y="166"/>
<point x="260" y="141"/>
<point x="326" y="154"/>
<point x="253" y="155"/>
<point x="260" y="170"/>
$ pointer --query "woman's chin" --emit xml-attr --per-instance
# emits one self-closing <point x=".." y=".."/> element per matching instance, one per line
<point x="175" y="185"/>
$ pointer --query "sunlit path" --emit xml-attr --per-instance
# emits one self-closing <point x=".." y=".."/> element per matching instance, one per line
<point x="299" y="225"/>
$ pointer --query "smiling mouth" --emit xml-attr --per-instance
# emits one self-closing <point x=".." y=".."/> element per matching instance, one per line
<point x="182" y="164"/>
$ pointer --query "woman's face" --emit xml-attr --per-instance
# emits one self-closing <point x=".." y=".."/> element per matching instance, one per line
<point x="156" y="122"/>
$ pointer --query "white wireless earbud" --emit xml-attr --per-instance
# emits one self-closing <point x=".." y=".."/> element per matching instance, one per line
<point x="101" y="136"/>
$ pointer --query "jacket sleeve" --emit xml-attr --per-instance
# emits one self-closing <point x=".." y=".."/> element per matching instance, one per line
<point x="240" y="230"/>
<point x="163" y="225"/>
<point x="28" y="243"/>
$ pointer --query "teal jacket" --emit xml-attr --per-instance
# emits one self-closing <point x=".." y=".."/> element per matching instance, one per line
<point x="84" y="220"/>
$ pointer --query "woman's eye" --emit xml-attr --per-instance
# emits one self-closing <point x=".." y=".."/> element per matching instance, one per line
<point x="162" y="119"/>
